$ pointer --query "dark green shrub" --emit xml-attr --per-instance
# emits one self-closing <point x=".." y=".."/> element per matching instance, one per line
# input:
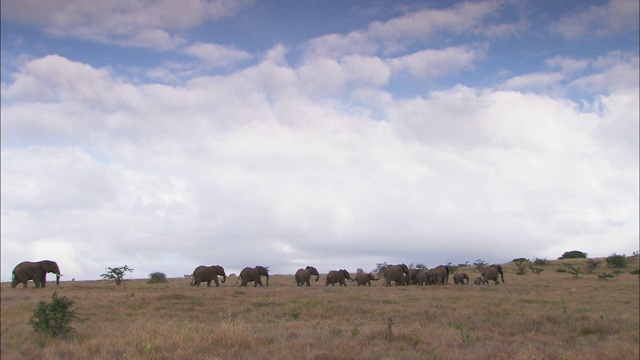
<point x="635" y="272"/>
<point x="157" y="277"/>
<point x="538" y="261"/>
<point x="561" y="270"/>
<point x="536" y="269"/>
<point x="519" y="260"/>
<point x="575" y="254"/>
<point x="54" y="318"/>
<point x="617" y="261"/>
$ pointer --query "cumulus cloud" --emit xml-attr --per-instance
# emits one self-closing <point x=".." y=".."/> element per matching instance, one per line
<point x="229" y="170"/>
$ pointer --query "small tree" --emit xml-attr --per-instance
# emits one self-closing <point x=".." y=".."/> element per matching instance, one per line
<point x="574" y="254"/>
<point x="116" y="273"/>
<point x="574" y="271"/>
<point x="421" y="267"/>
<point x="616" y="261"/>
<point x="157" y="277"/>
<point x="521" y="266"/>
<point x="359" y="271"/>
<point x="54" y="318"/>
<point x="479" y="264"/>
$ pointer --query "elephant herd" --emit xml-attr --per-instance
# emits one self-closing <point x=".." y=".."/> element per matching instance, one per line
<point x="396" y="274"/>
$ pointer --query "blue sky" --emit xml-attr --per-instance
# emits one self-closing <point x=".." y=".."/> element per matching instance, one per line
<point x="340" y="134"/>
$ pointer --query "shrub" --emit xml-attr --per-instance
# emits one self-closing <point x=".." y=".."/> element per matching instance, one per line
<point x="616" y="261"/>
<point x="536" y="269"/>
<point x="561" y="270"/>
<point x="635" y="272"/>
<point x="54" y="318"/>
<point x="575" y="254"/>
<point x="116" y="273"/>
<point x="521" y="266"/>
<point x="157" y="277"/>
<point x="538" y="261"/>
<point x="591" y="265"/>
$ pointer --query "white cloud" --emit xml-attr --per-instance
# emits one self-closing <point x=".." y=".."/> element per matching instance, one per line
<point x="433" y="63"/>
<point x="251" y="168"/>
<point x="217" y="55"/>
<point x="146" y="23"/>
<point x="614" y="17"/>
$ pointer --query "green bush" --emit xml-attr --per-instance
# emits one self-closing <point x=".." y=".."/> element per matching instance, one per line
<point x="561" y="270"/>
<point x="54" y="318"/>
<point x="157" y="277"/>
<point x="635" y="272"/>
<point x="617" y="261"/>
<point x="575" y="254"/>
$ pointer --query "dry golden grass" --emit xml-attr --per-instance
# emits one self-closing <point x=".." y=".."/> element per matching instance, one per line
<point x="546" y="316"/>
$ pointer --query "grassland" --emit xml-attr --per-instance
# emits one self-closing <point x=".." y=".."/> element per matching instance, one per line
<point x="546" y="316"/>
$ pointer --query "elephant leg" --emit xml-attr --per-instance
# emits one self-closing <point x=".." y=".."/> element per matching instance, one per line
<point x="215" y="280"/>
<point x="208" y="283"/>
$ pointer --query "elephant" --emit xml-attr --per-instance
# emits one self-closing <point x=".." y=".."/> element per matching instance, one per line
<point x="491" y="273"/>
<point x="253" y="275"/>
<point x="208" y="273"/>
<point x="459" y="278"/>
<point x="422" y="278"/>
<point x="337" y="276"/>
<point x="304" y="275"/>
<point x="364" y="279"/>
<point x="395" y="273"/>
<point x="478" y="281"/>
<point x="431" y="277"/>
<point x="36" y="271"/>
<point x="411" y="278"/>
<point x="441" y="274"/>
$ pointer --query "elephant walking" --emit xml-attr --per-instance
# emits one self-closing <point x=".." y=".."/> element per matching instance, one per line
<point x="459" y="278"/>
<point x="441" y="274"/>
<point x="36" y="271"/>
<point x="478" y="281"/>
<point x="208" y="273"/>
<point x="422" y="278"/>
<point x="337" y="276"/>
<point x="395" y="273"/>
<point x="364" y="279"/>
<point x="491" y="273"/>
<point x="304" y="275"/>
<point x="253" y="275"/>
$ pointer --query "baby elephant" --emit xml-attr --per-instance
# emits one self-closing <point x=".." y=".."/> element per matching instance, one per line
<point x="478" y="281"/>
<point x="459" y="278"/>
<point x="364" y="279"/>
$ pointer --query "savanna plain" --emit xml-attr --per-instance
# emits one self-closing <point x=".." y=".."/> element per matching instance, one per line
<point x="547" y="316"/>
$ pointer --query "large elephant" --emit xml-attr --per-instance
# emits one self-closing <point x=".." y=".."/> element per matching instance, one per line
<point x="364" y="279"/>
<point x="491" y="273"/>
<point x="304" y="275"/>
<point x="441" y="274"/>
<point x="253" y="275"/>
<point x="36" y="271"/>
<point x="459" y="278"/>
<point x="337" y="276"/>
<point x="395" y="273"/>
<point x="208" y="273"/>
<point x="422" y="278"/>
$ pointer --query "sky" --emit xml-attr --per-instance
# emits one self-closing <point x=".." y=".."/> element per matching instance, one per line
<point x="165" y="134"/>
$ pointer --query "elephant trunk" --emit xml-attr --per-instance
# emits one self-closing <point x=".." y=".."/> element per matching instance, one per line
<point x="267" y="279"/>
<point x="224" y="278"/>
<point x="58" y="279"/>
<point x="502" y="276"/>
<point x="317" y="277"/>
